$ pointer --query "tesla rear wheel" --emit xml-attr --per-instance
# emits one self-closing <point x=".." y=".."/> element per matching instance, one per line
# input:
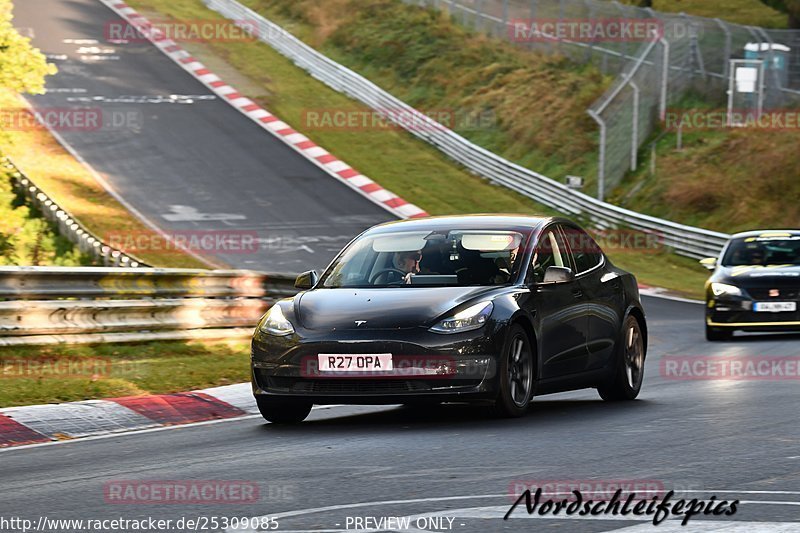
<point x="718" y="334"/>
<point x="280" y="411"/>
<point x="516" y="375"/>
<point x="626" y="381"/>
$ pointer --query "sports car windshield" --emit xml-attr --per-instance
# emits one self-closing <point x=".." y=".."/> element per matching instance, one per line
<point x="428" y="258"/>
<point x="764" y="251"/>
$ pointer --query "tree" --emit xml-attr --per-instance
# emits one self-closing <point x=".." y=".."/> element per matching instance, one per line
<point x="790" y="7"/>
<point x="22" y="67"/>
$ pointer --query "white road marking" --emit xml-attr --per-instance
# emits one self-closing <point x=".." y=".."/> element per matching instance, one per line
<point x="94" y="50"/>
<point x="72" y="90"/>
<point x="99" y="58"/>
<point x="80" y="41"/>
<point x="183" y="99"/>
<point x="185" y="213"/>
<point x="287" y="249"/>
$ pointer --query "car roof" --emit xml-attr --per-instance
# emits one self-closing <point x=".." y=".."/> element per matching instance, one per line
<point x="455" y="222"/>
<point x="767" y="233"/>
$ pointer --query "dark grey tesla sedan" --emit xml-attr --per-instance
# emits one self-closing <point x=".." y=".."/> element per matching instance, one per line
<point x="486" y="308"/>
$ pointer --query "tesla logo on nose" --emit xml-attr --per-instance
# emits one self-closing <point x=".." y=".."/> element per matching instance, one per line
<point x="360" y="322"/>
<point x="774" y="293"/>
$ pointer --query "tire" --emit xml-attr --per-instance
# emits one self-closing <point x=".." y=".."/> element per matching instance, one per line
<point x="280" y="411"/>
<point x="516" y="375"/>
<point x="718" y="334"/>
<point x="627" y="375"/>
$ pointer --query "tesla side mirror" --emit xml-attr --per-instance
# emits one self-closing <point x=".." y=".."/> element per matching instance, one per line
<point x="306" y="280"/>
<point x="709" y="262"/>
<point x="556" y="274"/>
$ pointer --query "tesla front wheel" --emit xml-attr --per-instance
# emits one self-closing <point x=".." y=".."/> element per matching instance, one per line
<point x="281" y="411"/>
<point x="628" y="374"/>
<point x="516" y="368"/>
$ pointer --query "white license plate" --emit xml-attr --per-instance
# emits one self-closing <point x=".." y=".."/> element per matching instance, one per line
<point x="374" y="362"/>
<point x="774" y="307"/>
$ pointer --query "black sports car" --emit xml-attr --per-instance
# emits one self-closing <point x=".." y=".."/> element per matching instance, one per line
<point x="482" y="307"/>
<point x="755" y="285"/>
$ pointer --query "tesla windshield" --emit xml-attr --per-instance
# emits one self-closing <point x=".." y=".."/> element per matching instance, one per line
<point x="764" y="250"/>
<point x="428" y="258"/>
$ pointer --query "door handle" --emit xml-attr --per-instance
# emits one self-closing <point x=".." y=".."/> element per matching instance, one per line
<point x="577" y="293"/>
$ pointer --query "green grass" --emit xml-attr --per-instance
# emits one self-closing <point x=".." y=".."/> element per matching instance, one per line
<point x="682" y="275"/>
<point x="726" y="179"/>
<point x="30" y="375"/>
<point x="746" y="12"/>
<point x="533" y="105"/>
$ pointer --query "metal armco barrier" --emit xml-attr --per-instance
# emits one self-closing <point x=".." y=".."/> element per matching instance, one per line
<point x="40" y="283"/>
<point x="686" y="240"/>
<point x="37" y="303"/>
<point x="96" y="316"/>
<point x="68" y="226"/>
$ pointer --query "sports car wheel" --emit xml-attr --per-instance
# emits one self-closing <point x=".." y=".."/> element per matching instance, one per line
<point x="516" y="369"/>
<point x="628" y="374"/>
<point x="280" y="411"/>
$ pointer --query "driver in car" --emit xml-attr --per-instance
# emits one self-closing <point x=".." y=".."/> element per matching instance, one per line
<point x="407" y="262"/>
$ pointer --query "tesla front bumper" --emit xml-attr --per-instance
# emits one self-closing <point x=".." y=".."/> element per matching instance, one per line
<point x="426" y="366"/>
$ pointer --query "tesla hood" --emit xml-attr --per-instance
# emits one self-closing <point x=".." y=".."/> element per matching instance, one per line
<point x="385" y="308"/>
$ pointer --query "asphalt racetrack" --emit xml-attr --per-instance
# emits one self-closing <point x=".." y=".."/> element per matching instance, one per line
<point x="701" y="438"/>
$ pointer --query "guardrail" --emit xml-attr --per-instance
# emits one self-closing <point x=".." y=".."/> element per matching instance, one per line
<point x="686" y="240"/>
<point x="68" y="226"/>
<point x="36" y="283"/>
<point x="74" y="303"/>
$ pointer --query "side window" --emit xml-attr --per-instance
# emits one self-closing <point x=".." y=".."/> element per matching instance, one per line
<point x="550" y="251"/>
<point x="585" y="251"/>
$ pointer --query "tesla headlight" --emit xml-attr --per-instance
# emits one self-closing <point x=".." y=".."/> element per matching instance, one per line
<point x="720" y="289"/>
<point x="275" y="323"/>
<point x="472" y="317"/>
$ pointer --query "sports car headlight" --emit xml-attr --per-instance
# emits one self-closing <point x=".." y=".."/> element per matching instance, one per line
<point x="275" y="323"/>
<point x="472" y="317"/>
<point x="720" y="289"/>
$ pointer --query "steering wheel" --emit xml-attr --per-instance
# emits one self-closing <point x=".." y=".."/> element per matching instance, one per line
<point x="383" y="271"/>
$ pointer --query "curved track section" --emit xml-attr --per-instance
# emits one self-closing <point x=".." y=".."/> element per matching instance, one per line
<point x="178" y="154"/>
